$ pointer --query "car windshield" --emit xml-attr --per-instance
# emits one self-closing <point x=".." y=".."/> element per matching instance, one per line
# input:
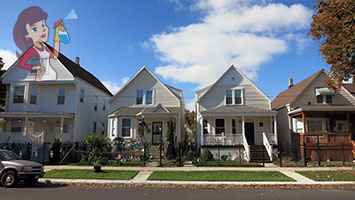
<point x="8" y="155"/>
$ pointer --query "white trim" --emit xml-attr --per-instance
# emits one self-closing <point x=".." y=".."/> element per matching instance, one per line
<point x="347" y="91"/>
<point x="233" y="89"/>
<point x="236" y="115"/>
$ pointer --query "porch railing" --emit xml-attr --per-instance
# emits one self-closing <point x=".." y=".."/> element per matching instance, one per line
<point x="325" y="138"/>
<point x="246" y="148"/>
<point x="227" y="139"/>
<point x="267" y="145"/>
<point x="21" y="137"/>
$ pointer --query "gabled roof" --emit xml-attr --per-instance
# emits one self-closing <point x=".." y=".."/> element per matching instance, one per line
<point x="349" y="87"/>
<point x="144" y="68"/>
<point x="290" y="95"/>
<point x="77" y="71"/>
<point x="205" y="90"/>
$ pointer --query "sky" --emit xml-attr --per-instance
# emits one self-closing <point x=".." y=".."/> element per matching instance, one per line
<point x="187" y="44"/>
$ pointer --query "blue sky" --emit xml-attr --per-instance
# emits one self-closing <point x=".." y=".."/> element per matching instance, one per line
<point x="187" y="43"/>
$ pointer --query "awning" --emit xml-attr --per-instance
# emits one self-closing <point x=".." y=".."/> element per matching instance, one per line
<point x="323" y="91"/>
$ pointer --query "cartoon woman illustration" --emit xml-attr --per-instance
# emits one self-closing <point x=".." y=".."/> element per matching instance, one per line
<point x="30" y="33"/>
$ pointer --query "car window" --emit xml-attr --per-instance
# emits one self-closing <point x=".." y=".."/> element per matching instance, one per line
<point x="8" y="155"/>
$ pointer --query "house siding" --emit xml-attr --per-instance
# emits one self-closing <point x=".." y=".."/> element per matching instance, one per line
<point x="283" y="129"/>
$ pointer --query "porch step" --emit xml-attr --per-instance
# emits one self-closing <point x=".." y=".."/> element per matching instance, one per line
<point x="256" y="153"/>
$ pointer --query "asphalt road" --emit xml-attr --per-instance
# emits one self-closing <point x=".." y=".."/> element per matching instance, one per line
<point x="54" y="192"/>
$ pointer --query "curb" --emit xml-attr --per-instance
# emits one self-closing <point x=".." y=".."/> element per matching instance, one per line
<point x="191" y="183"/>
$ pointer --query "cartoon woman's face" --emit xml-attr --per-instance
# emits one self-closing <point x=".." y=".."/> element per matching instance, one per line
<point x="38" y="31"/>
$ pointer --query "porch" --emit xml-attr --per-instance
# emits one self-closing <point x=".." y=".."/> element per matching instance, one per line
<point x="36" y="127"/>
<point x="235" y="130"/>
<point x="325" y="132"/>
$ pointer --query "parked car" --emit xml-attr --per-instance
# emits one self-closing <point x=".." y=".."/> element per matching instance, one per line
<point x="13" y="169"/>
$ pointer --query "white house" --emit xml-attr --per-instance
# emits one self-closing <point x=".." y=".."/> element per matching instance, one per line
<point x="67" y="104"/>
<point x="142" y="108"/>
<point x="234" y="116"/>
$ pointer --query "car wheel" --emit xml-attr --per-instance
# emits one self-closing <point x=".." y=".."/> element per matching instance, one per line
<point x="30" y="182"/>
<point x="9" y="179"/>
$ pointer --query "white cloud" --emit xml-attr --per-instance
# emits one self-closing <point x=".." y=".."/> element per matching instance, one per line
<point x="113" y="87"/>
<point x="8" y="57"/>
<point x="231" y="32"/>
<point x="124" y="80"/>
<point x="191" y="105"/>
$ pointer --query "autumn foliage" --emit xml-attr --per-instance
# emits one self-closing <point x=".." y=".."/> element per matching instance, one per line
<point x="334" y="28"/>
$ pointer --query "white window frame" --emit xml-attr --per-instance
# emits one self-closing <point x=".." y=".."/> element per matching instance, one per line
<point x="233" y="96"/>
<point x="145" y="97"/>
<point x="82" y="95"/>
<point x="24" y="93"/>
<point x="113" y="127"/>
<point x="30" y="94"/>
<point x="297" y="129"/>
<point x="130" y="128"/>
<point x="137" y="97"/>
<point x="324" y="99"/>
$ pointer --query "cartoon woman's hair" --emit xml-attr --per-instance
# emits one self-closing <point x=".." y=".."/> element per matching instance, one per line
<point x="29" y="16"/>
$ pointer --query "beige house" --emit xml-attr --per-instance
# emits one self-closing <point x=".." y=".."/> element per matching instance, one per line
<point x="308" y="113"/>
<point x="234" y="116"/>
<point x="142" y="108"/>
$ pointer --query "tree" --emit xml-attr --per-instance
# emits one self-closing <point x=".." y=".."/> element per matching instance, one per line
<point x="190" y="123"/>
<point x="333" y="27"/>
<point x="171" y="151"/>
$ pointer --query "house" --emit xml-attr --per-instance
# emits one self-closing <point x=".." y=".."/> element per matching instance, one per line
<point x="67" y="105"/>
<point x="142" y="108"/>
<point x="311" y="115"/>
<point x="234" y="118"/>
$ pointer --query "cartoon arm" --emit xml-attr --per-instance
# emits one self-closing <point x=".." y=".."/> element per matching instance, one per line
<point x="26" y="57"/>
<point x="56" y="46"/>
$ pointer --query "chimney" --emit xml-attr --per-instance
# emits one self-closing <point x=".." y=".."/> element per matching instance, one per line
<point x="77" y="59"/>
<point x="290" y="83"/>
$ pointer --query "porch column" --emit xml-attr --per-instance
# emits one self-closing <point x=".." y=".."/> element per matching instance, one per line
<point x="201" y="130"/>
<point x="61" y="125"/>
<point x="275" y="130"/>
<point x="25" y="128"/>
<point x="243" y="125"/>
<point x="304" y="122"/>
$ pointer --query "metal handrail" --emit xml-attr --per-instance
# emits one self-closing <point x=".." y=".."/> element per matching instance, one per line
<point x="246" y="147"/>
<point x="267" y="145"/>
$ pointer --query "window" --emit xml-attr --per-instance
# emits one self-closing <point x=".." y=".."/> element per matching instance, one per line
<point x="16" y="125"/>
<point x="65" y="128"/>
<point x="229" y="97"/>
<point x="261" y="124"/>
<point x="238" y="97"/>
<point x="33" y="95"/>
<point x="329" y="99"/>
<point x="139" y="99"/>
<point x="19" y="94"/>
<point x="61" y="96"/>
<point x="234" y="128"/>
<point x="149" y="97"/>
<point x="94" y="128"/>
<point x="297" y="125"/>
<point x="315" y="126"/>
<point x="82" y="93"/>
<point x="126" y="127"/>
<point x="205" y="126"/>
<point x="320" y="99"/>
<point x="96" y="100"/>
<point x="103" y="104"/>
<point x="219" y="126"/>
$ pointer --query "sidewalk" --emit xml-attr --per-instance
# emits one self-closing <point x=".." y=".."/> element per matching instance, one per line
<point x="145" y="172"/>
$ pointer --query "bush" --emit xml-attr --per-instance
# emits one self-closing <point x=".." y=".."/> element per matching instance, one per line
<point x="97" y="144"/>
<point x="206" y="155"/>
<point x="224" y="157"/>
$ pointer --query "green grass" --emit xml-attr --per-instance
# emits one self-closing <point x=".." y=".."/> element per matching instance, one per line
<point x="89" y="174"/>
<point x="340" y="175"/>
<point x="227" y="163"/>
<point x="219" y="176"/>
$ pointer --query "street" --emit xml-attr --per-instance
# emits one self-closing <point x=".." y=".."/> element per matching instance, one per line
<point x="54" y="192"/>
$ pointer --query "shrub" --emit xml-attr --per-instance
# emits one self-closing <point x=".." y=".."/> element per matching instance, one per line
<point x="224" y="157"/>
<point x="171" y="151"/>
<point x="97" y="144"/>
<point x="206" y="155"/>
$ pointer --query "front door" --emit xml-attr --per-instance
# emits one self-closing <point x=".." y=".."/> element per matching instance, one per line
<point x="157" y="133"/>
<point x="249" y="132"/>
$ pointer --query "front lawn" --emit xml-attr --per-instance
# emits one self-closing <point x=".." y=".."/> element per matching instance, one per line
<point x="219" y="176"/>
<point x="339" y="175"/>
<point x="89" y="174"/>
